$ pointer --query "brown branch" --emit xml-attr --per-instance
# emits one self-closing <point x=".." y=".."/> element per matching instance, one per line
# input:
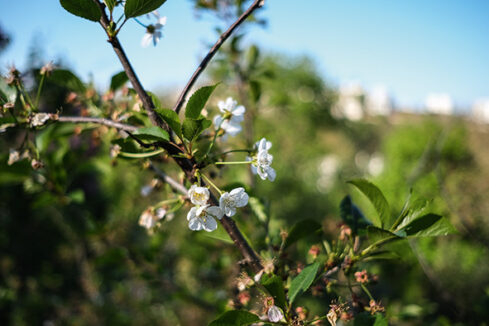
<point x="181" y="99"/>
<point x="131" y="74"/>
<point x="100" y="121"/>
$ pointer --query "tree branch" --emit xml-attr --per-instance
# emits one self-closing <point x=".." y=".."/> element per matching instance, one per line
<point x="100" y="121"/>
<point x="171" y="182"/>
<point x="131" y="74"/>
<point x="181" y="99"/>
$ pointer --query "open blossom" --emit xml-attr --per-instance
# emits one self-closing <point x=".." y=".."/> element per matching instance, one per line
<point x="262" y="160"/>
<point x="204" y="218"/>
<point x="274" y="314"/>
<point x="153" y="32"/>
<point x="149" y="220"/>
<point x="231" y="118"/>
<point x="229" y="201"/>
<point x="198" y="195"/>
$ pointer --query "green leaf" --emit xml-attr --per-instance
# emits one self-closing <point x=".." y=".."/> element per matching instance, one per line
<point x="366" y="319"/>
<point x="118" y="80"/>
<point x="135" y="8"/>
<point x="197" y="101"/>
<point x="155" y="99"/>
<point x="377" y="234"/>
<point x="192" y="128"/>
<point x="235" y="318"/>
<point x="82" y="8"/>
<point x="218" y="234"/>
<point x="413" y="212"/>
<point x="429" y="225"/>
<point x="110" y="4"/>
<point x="151" y="133"/>
<point x="377" y="199"/>
<point x="302" y="229"/>
<point x="352" y="215"/>
<point x="65" y="78"/>
<point x="172" y="119"/>
<point x="258" y="209"/>
<point x="7" y="93"/>
<point x="303" y="281"/>
<point x="275" y="286"/>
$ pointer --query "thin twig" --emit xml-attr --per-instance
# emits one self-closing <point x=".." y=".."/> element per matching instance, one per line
<point x="131" y="74"/>
<point x="181" y="99"/>
<point x="171" y="182"/>
<point x="100" y="121"/>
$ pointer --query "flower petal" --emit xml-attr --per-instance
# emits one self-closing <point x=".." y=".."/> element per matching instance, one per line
<point x="271" y="174"/>
<point x="192" y="213"/>
<point x="195" y="224"/>
<point x="239" y="110"/>
<point x="209" y="224"/>
<point x="215" y="211"/>
<point x="146" y="40"/>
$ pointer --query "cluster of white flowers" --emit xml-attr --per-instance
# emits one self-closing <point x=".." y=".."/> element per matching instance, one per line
<point x="262" y="160"/>
<point x="203" y="216"/>
<point x="231" y="118"/>
<point x="153" y="32"/>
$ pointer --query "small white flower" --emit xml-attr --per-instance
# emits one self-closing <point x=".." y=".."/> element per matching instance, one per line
<point x="262" y="160"/>
<point x="39" y="119"/>
<point x="204" y="218"/>
<point x="148" y="219"/>
<point x="231" y="118"/>
<point x="47" y="68"/>
<point x="146" y="190"/>
<point x="229" y="201"/>
<point x="153" y="32"/>
<point x="115" y="151"/>
<point x="160" y="213"/>
<point x="275" y="314"/>
<point x="198" y="195"/>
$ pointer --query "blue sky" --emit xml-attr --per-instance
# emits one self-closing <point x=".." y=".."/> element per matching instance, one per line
<point x="412" y="47"/>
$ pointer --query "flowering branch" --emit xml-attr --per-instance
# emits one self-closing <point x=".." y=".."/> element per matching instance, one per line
<point x="100" y="121"/>
<point x="188" y="165"/>
<point x="181" y="99"/>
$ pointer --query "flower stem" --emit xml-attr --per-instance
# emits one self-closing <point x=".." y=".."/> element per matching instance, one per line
<point x="39" y="88"/>
<point x="230" y="163"/>
<point x="211" y="183"/>
<point x="141" y="155"/>
<point x="364" y="288"/>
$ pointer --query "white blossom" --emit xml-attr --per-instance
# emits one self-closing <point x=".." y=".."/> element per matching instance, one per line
<point x="153" y="32"/>
<point x="229" y="201"/>
<point x="275" y="314"/>
<point x="204" y="218"/>
<point x="47" y="68"/>
<point x="198" y="195"/>
<point x="231" y="118"/>
<point x="13" y="156"/>
<point x="40" y="119"/>
<point x="262" y="160"/>
<point x="148" y="219"/>
<point x="160" y="213"/>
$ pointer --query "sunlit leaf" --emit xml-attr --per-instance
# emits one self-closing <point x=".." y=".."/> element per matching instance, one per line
<point x="151" y="133"/>
<point x="118" y="80"/>
<point x="172" y="119"/>
<point x="377" y="199"/>
<point x="197" y="101"/>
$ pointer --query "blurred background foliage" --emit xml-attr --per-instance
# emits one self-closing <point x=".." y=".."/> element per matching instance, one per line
<point x="72" y="252"/>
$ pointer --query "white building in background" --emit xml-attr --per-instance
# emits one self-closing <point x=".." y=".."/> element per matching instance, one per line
<point x="378" y="101"/>
<point x="439" y="104"/>
<point x="350" y="102"/>
<point x="480" y="110"/>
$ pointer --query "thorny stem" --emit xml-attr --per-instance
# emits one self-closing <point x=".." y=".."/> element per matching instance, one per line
<point x="181" y="99"/>
<point x="187" y="165"/>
